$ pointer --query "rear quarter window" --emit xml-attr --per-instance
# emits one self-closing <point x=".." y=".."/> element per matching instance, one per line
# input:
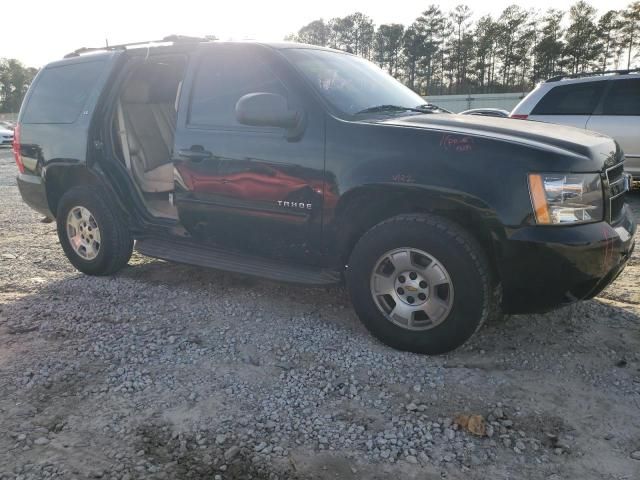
<point x="61" y="91"/>
<point x="574" y="99"/>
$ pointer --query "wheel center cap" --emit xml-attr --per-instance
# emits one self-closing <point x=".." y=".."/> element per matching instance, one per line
<point x="411" y="288"/>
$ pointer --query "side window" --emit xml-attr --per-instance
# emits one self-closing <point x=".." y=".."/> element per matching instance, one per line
<point x="623" y="98"/>
<point x="61" y="92"/>
<point x="574" y="99"/>
<point x="222" y="78"/>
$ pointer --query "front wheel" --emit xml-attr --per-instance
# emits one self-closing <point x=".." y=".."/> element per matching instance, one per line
<point x="93" y="236"/>
<point x="420" y="283"/>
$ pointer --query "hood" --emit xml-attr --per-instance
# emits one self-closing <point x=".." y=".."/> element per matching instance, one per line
<point x="5" y="131"/>
<point x="570" y="140"/>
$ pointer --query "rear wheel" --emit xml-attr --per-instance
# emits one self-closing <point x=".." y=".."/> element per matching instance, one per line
<point x="420" y="283"/>
<point x="93" y="236"/>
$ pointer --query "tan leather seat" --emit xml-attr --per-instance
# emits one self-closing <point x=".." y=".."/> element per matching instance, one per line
<point x="150" y="128"/>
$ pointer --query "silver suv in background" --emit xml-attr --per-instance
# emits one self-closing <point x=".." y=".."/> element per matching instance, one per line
<point x="608" y="103"/>
<point x="6" y="137"/>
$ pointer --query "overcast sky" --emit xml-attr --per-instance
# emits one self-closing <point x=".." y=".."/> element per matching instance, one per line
<point x="39" y="31"/>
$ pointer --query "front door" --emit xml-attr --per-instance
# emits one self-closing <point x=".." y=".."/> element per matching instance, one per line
<point x="243" y="187"/>
<point x="619" y="117"/>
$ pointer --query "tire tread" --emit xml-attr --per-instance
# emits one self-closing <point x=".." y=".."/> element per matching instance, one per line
<point x="428" y="223"/>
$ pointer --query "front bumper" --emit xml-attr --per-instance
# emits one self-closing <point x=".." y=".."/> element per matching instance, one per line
<point x="542" y="268"/>
<point x="34" y="194"/>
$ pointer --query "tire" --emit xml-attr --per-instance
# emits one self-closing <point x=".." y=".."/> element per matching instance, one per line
<point x="458" y="295"/>
<point x="115" y="247"/>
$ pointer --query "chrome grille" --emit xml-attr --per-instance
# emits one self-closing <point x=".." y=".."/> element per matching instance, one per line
<point x="618" y="182"/>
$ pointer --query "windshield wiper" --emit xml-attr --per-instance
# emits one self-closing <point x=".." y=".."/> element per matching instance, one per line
<point x="394" y="108"/>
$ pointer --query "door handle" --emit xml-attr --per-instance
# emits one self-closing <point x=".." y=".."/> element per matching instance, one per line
<point x="194" y="155"/>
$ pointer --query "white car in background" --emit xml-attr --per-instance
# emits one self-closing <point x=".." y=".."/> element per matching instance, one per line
<point x="6" y="137"/>
<point x="608" y="103"/>
<point x="487" y="112"/>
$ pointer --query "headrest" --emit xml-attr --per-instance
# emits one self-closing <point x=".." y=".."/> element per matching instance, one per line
<point x="136" y="91"/>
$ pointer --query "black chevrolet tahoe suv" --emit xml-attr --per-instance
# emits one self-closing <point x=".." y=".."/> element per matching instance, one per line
<point x="312" y="166"/>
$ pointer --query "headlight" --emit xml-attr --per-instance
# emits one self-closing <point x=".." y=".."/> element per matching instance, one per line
<point x="566" y="198"/>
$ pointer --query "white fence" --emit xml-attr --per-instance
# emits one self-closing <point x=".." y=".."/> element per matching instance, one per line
<point x="9" y="117"/>
<point x="459" y="103"/>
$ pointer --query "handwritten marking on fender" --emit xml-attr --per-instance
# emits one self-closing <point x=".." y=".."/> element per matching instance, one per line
<point x="457" y="143"/>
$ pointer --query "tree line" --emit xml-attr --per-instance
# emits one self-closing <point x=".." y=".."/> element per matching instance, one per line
<point x="14" y="81"/>
<point x="449" y="52"/>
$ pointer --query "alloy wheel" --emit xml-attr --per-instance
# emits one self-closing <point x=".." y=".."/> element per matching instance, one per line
<point x="412" y="288"/>
<point x="83" y="233"/>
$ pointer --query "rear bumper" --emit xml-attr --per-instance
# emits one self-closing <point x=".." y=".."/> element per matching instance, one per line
<point x="545" y="267"/>
<point x="34" y="194"/>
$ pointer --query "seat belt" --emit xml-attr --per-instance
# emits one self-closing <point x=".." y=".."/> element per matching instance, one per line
<point x="123" y="137"/>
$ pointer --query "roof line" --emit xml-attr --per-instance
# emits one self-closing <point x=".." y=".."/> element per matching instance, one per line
<point x="172" y="39"/>
<point x="593" y="74"/>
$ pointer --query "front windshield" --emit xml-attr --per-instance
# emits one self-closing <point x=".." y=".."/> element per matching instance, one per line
<point x="350" y="84"/>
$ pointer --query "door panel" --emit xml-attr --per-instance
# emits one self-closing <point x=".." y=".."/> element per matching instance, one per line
<point x="619" y="117"/>
<point x="625" y="129"/>
<point x="248" y="188"/>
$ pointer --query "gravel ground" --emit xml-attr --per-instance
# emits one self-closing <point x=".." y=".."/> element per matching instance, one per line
<point x="170" y="371"/>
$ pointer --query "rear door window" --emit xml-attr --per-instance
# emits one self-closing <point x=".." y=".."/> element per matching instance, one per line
<point x="223" y="76"/>
<point x="623" y="98"/>
<point x="61" y="91"/>
<point x="574" y="99"/>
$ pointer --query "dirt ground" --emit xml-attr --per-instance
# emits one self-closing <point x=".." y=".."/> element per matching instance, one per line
<point x="171" y="371"/>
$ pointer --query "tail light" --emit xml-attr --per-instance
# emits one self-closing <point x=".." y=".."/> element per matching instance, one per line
<point x="519" y="116"/>
<point x="16" y="149"/>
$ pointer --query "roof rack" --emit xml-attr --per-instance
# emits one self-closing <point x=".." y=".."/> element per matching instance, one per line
<point x="593" y="74"/>
<point x="173" y="39"/>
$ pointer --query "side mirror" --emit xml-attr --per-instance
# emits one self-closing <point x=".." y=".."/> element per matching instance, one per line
<point x="268" y="110"/>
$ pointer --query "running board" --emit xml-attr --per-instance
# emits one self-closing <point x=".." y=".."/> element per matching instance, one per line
<point x="220" y="259"/>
